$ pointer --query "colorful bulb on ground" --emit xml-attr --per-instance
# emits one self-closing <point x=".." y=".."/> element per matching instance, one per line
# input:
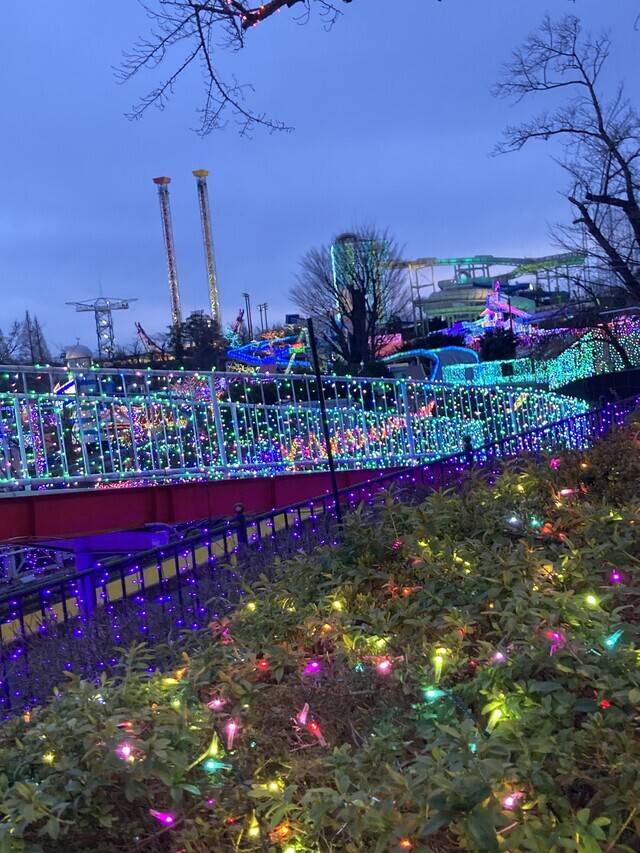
<point x="511" y="800"/>
<point x="384" y="667"/>
<point x="216" y="703"/>
<point x="313" y="727"/>
<point x="494" y="718"/>
<point x="165" y="818"/>
<point x="313" y="667"/>
<point x="254" y="828"/>
<point x="303" y="714"/>
<point x="231" y="730"/>
<point x="212" y="765"/>
<point x="591" y="600"/>
<point x="613" y="639"/>
<point x="432" y="694"/>
<point x="125" y="752"/>
<point x="557" y="640"/>
<point x="616" y="577"/>
<point x="498" y="657"/>
<point x="438" y="662"/>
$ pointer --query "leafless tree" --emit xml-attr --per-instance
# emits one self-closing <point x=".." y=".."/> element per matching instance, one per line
<point x="600" y="138"/>
<point x="352" y="292"/>
<point x="10" y="343"/>
<point x="185" y="33"/>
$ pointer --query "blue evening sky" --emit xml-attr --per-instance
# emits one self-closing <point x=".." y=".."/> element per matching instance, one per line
<point x="393" y="120"/>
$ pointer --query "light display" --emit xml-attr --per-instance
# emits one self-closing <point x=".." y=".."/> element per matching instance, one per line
<point x="155" y="426"/>
<point x="591" y="355"/>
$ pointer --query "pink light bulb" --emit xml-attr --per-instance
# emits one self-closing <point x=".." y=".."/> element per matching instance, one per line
<point x="312" y="668"/>
<point x="231" y="730"/>
<point x="499" y="657"/>
<point x="511" y="800"/>
<point x="303" y="715"/>
<point x="384" y="667"/>
<point x="616" y="576"/>
<point x="124" y="751"/>
<point x="165" y="818"/>
<point x="216" y="703"/>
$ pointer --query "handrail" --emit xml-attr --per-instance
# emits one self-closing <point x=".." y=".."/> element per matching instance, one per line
<point x="217" y="530"/>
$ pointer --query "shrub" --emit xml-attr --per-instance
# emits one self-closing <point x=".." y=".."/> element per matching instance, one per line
<point x="458" y="675"/>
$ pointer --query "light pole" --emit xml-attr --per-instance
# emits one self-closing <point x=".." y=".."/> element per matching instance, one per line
<point x="323" y="418"/>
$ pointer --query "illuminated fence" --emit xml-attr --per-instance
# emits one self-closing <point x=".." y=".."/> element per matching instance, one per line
<point x="99" y="427"/>
<point x="73" y="621"/>
<point x="591" y="355"/>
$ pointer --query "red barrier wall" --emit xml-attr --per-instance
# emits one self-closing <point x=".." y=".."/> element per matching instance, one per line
<point x="67" y="513"/>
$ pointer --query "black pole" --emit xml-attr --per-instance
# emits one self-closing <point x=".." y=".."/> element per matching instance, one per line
<point x="323" y="417"/>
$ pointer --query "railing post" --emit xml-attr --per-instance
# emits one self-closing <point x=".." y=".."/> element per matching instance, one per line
<point x="407" y="419"/>
<point x="241" y="524"/>
<point x="222" y="451"/>
<point x="86" y="587"/>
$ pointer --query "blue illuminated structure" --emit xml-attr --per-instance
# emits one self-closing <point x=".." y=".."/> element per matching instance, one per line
<point x="439" y="359"/>
<point x="277" y="353"/>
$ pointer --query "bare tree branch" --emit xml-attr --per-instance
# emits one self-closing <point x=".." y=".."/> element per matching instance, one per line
<point x="600" y="138"/>
<point x="195" y="32"/>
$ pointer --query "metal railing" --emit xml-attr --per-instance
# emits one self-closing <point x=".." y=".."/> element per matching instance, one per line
<point x="80" y="617"/>
<point x="61" y="429"/>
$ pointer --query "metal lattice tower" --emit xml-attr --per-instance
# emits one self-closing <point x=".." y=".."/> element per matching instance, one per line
<point x="205" y="218"/>
<point x="102" y="308"/>
<point x="167" y="230"/>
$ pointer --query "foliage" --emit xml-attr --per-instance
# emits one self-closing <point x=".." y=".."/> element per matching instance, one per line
<point x="470" y="680"/>
<point x="497" y="344"/>
<point x="197" y="343"/>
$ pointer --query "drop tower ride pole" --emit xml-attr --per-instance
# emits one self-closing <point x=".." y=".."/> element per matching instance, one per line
<point x="205" y="218"/>
<point x="167" y="230"/>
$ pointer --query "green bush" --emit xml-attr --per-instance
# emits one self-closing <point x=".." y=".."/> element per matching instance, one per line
<point x="458" y="675"/>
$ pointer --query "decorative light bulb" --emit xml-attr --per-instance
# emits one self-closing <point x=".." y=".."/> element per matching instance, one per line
<point x="384" y="666"/>
<point x="216" y="703"/>
<point x="511" y="800"/>
<point x="231" y="730"/>
<point x="616" y="577"/>
<point x="498" y="657"/>
<point x="165" y="818"/>
<point x="313" y="667"/>
<point x="591" y="600"/>
<point x="612" y="640"/>
<point x="254" y="828"/>
<point x="212" y="765"/>
<point x="432" y="694"/>
<point x="125" y="751"/>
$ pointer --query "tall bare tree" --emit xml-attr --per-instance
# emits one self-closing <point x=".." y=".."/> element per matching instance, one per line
<point x="352" y="293"/>
<point x="193" y="32"/>
<point x="599" y="134"/>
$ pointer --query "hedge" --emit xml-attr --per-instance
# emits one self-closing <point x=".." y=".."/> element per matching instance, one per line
<point x="457" y="675"/>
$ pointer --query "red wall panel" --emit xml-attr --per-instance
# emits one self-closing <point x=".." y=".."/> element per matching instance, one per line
<point x="74" y="513"/>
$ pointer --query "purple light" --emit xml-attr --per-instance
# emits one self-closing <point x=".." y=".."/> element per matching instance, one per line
<point x="313" y="667"/>
<point x="616" y="576"/>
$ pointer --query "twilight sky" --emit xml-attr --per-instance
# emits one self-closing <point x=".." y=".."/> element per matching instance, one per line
<point x="393" y="122"/>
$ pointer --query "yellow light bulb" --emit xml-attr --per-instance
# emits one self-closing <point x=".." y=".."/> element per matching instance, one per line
<point x="48" y="757"/>
<point x="251" y="606"/>
<point x="337" y="604"/>
<point x="592" y="600"/>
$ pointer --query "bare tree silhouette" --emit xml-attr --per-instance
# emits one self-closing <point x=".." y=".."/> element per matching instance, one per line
<point x="186" y="32"/>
